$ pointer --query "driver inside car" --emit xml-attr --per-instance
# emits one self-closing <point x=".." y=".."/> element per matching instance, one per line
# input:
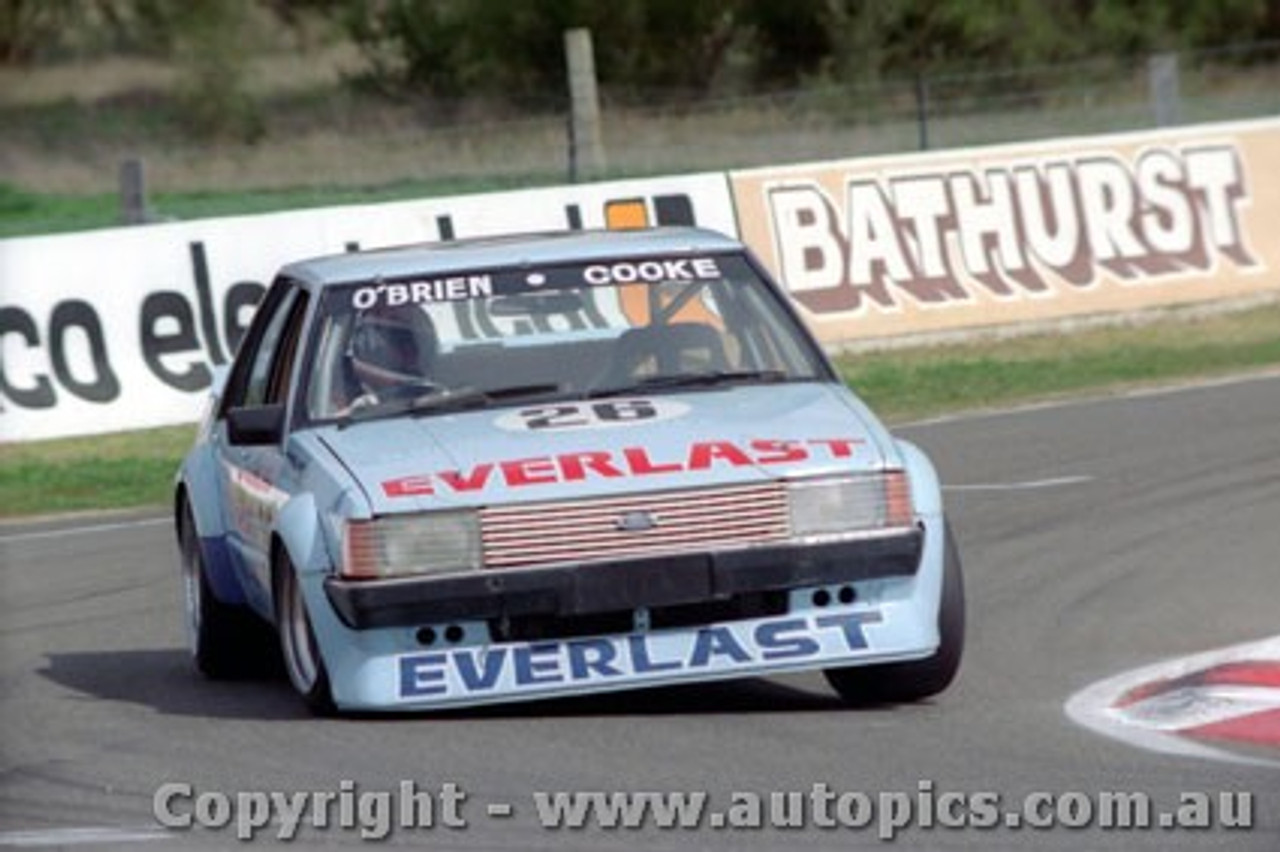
<point x="391" y="353"/>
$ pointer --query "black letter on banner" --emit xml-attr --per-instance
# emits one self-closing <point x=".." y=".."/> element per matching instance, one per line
<point x="19" y="322"/>
<point x="243" y="294"/>
<point x="200" y="270"/>
<point x="105" y="387"/>
<point x="154" y="345"/>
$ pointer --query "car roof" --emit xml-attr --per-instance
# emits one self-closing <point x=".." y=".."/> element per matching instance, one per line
<point x="534" y="249"/>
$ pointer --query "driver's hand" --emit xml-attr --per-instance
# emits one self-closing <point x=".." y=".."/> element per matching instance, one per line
<point x="364" y="400"/>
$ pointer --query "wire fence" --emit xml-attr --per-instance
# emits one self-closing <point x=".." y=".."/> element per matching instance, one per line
<point x="342" y="142"/>
<point x="654" y="132"/>
<point x="948" y="111"/>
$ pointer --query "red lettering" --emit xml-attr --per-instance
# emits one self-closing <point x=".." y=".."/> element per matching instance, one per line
<point x="574" y="466"/>
<point x="702" y="454"/>
<point x="408" y="486"/>
<point x="473" y="481"/>
<point x="641" y="465"/>
<point x="840" y="448"/>
<point x="778" y="452"/>
<point x="535" y="471"/>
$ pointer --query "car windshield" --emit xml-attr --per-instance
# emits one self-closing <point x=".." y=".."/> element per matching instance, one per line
<point x="440" y="343"/>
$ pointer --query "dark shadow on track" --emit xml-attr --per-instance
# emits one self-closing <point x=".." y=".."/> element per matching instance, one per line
<point x="164" y="680"/>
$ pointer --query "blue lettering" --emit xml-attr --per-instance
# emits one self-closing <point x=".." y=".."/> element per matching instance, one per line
<point x="716" y="641"/>
<point x="531" y="671"/>
<point x="422" y="674"/>
<point x="775" y="646"/>
<point x="588" y="656"/>
<point x="480" y="677"/>
<point x="850" y="623"/>
<point x="640" y="661"/>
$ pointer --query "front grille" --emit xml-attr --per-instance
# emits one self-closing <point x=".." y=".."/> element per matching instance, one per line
<point x="589" y="530"/>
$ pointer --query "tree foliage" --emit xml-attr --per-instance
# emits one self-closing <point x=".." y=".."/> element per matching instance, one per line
<point x="513" y="49"/>
<point x="28" y="26"/>
<point x="451" y="48"/>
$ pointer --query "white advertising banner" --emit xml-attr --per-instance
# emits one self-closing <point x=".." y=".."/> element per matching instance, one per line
<point x="120" y="329"/>
<point x="882" y="247"/>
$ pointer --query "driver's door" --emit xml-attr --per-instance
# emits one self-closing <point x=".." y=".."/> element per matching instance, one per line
<point x="256" y="481"/>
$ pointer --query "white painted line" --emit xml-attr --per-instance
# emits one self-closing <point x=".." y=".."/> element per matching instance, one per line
<point x="37" y="838"/>
<point x="95" y="528"/>
<point x="1029" y="485"/>
<point x="1092" y="707"/>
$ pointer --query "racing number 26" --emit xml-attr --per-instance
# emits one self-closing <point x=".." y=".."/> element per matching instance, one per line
<point x="597" y="413"/>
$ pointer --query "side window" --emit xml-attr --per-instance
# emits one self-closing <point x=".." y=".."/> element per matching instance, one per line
<point x="259" y="377"/>
<point x="250" y="372"/>
<point x="287" y="352"/>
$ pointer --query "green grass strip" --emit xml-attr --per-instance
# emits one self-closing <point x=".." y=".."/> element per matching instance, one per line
<point x="25" y="213"/>
<point x="116" y="471"/>
<point x="929" y="381"/>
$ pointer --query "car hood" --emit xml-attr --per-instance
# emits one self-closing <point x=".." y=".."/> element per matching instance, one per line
<point x="572" y="449"/>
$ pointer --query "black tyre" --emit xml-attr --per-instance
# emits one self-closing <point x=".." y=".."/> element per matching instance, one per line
<point x="302" y="660"/>
<point x="897" y="683"/>
<point x="226" y="641"/>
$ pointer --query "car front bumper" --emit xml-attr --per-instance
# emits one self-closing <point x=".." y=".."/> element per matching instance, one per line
<point x="892" y="618"/>
<point x="602" y="587"/>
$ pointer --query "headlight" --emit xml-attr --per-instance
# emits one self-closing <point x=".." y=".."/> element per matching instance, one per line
<point x="850" y="504"/>
<point x="403" y="545"/>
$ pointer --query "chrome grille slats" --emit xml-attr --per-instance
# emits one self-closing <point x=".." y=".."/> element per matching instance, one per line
<point x="535" y="534"/>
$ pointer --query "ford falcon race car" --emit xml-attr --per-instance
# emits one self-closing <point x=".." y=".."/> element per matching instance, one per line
<point x="515" y="468"/>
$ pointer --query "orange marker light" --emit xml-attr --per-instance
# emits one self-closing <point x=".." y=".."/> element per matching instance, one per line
<point x="899" y="511"/>
<point x="361" y="551"/>
<point x="627" y="214"/>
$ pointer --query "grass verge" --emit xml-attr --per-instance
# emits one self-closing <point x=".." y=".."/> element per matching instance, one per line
<point x="926" y="381"/>
<point x="136" y="469"/>
<point x="25" y="213"/>
<point x="122" y="470"/>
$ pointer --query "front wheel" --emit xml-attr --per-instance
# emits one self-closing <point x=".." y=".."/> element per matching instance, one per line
<point x="897" y="683"/>
<point x="298" y="646"/>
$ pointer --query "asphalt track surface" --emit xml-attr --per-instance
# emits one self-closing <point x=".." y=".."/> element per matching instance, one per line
<point x="1097" y="536"/>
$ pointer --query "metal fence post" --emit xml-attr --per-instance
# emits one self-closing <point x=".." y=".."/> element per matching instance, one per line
<point x="586" y="142"/>
<point x="922" y="110"/>
<point x="1166" y="99"/>
<point x="133" y="192"/>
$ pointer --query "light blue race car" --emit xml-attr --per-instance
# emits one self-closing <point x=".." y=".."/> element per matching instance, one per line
<point x="533" y="466"/>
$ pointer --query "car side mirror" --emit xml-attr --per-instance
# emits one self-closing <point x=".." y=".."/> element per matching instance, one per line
<point x="255" y="425"/>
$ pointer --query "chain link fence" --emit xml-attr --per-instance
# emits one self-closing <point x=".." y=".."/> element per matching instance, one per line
<point x="667" y="132"/>
<point x="340" y="141"/>
<point x="664" y="131"/>
<point x="946" y="111"/>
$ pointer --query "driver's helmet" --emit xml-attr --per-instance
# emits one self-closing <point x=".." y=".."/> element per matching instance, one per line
<point x="391" y="347"/>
